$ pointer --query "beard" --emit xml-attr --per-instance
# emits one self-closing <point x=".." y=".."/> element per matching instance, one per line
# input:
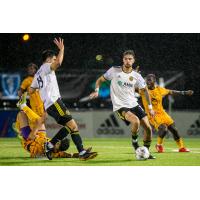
<point x="127" y="65"/>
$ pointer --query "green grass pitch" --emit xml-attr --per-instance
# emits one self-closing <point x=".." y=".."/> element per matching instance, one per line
<point x="111" y="152"/>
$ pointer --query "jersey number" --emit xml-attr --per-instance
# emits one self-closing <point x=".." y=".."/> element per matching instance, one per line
<point x="40" y="82"/>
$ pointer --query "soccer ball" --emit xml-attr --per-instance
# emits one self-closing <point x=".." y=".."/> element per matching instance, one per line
<point x="142" y="153"/>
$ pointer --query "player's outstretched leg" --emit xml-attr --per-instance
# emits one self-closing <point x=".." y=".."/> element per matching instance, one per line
<point x="72" y="129"/>
<point x="177" y="138"/>
<point x="147" y="134"/>
<point x="135" y="124"/>
<point x="76" y="138"/>
<point x="162" y="131"/>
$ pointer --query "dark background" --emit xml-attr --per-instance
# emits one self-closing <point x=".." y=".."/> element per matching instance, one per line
<point x="162" y="54"/>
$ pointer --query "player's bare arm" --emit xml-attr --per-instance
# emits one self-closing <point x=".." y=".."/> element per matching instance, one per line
<point x="59" y="59"/>
<point x="176" y="92"/>
<point x="147" y="96"/>
<point x="99" y="81"/>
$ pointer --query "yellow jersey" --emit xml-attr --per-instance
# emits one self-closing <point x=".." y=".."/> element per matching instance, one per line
<point x="156" y="96"/>
<point x="161" y="117"/>
<point x="35" y="99"/>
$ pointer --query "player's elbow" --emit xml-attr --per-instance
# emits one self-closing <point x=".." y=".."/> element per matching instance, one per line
<point x="55" y="65"/>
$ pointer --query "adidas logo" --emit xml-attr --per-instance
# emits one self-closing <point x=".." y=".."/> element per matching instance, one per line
<point x="110" y="122"/>
<point x="110" y="127"/>
<point x="194" y="128"/>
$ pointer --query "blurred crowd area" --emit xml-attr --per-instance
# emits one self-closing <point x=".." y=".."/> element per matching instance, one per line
<point x="173" y="58"/>
<point x="76" y="85"/>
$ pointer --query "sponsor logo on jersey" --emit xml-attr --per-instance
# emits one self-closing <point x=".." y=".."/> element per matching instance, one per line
<point x="124" y="84"/>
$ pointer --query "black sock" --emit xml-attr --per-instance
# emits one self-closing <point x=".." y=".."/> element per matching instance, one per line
<point x="62" y="133"/>
<point x="135" y="141"/>
<point x="77" y="141"/>
<point x="147" y="143"/>
<point x="174" y="132"/>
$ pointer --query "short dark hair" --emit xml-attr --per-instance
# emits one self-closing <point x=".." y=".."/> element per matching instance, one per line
<point x="47" y="54"/>
<point x="151" y="76"/>
<point x="32" y="65"/>
<point x="129" y="52"/>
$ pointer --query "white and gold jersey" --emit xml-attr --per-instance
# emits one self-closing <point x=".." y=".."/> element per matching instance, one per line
<point x="123" y="87"/>
<point x="45" y="80"/>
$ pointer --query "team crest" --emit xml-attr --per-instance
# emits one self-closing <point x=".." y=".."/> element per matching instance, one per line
<point x="131" y="78"/>
<point x="10" y="84"/>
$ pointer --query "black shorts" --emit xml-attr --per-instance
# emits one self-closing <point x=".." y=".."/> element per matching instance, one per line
<point x="59" y="112"/>
<point x="138" y="111"/>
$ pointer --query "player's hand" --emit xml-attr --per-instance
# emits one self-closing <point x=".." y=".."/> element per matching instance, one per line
<point x="59" y="43"/>
<point x="94" y="95"/>
<point x="152" y="112"/>
<point x="137" y="69"/>
<point x="189" y="92"/>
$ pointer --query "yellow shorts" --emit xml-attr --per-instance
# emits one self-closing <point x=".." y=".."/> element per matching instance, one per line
<point x="159" y="119"/>
<point x="36" y="147"/>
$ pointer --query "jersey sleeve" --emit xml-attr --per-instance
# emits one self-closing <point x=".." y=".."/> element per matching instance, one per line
<point x="34" y="83"/>
<point x="164" y="91"/>
<point x="109" y="74"/>
<point x="140" y="82"/>
<point x="46" y="68"/>
<point x="24" y="85"/>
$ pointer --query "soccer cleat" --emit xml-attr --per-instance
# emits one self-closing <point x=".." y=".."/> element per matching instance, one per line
<point x="48" y="149"/>
<point x="22" y="100"/>
<point x="159" y="148"/>
<point x="184" y="150"/>
<point x="76" y="155"/>
<point x="151" y="157"/>
<point x="88" y="155"/>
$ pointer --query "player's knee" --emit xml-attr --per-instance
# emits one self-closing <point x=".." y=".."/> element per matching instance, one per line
<point x="162" y="128"/>
<point x="72" y="125"/>
<point x="135" y="122"/>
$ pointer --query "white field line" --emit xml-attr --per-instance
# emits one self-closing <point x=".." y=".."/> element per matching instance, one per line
<point x="192" y="150"/>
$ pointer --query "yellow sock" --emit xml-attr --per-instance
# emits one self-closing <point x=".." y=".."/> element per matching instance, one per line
<point x="180" y="143"/>
<point x="32" y="116"/>
<point x="159" y="140"/>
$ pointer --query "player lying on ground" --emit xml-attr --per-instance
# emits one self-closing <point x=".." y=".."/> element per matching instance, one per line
<point x="45" y="81"/>
<point x="124" y="80"/>
<point x="36" y="103"/>
<point x="162" y="122"/>
<point x="33" y="132"/>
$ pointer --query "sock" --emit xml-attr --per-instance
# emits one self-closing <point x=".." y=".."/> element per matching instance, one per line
<point x="32" y="116"/>
<point x="77" y="141"/>
<point x="147" y="143"/>
<point x="135" y="141"/>
<point x="25" y="132"/>
<point x="180" y="143"/>
<point x="62" y="133"/>
<point x="159" y="140"/>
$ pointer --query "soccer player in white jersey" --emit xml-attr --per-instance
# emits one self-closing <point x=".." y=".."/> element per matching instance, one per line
<point x="124" y="80"/>
<point x="45" y="80"/>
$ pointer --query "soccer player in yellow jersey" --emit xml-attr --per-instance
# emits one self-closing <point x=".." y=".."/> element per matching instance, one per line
<point x="34" y="134"/>
<point x="35" y="100"/>
<point x="162" y="122"/>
